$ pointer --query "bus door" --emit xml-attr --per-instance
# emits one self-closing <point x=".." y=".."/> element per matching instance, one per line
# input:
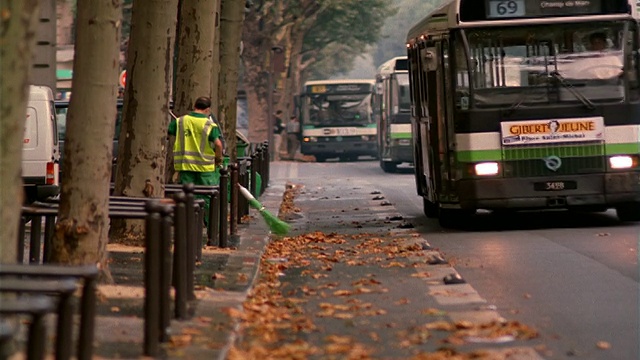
<point x="429" y="124"/>
<point x="446" y="135"/>
<point x="440" y="114"/>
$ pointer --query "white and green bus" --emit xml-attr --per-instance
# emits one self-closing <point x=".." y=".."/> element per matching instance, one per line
<point x="526" y="104"/>
<point x="393" y="114"/>
<point x="336" y="118"/>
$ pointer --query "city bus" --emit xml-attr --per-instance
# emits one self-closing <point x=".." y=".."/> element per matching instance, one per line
<point x="336" y="118"/>
<point x="513" y="107"/>
<point x="393" y="114"/>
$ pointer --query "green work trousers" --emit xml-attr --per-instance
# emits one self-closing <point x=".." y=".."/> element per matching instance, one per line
<point x="201" y="178"/>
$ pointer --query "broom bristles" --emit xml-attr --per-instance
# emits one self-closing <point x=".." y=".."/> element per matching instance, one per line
<point x="276" y="225"/>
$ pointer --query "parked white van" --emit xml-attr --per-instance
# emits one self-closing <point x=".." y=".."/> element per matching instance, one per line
<point x="40" y="152"/>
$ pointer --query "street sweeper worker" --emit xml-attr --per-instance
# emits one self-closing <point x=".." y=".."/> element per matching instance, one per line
<point x="197" y="151"/>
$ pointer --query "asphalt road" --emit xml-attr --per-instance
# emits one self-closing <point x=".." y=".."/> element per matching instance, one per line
<point x="573" y="276"/>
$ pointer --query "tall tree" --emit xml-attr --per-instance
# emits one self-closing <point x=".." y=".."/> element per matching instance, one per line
<point x="194" y="42"/>
<point x="231" y="20"/>
<point x="309" y="31"/>
<point x="143" y="146"/>
<point x="395" y="29"/>
<point x="83" y="220"/>
<point x="215" y="68"/>
<point x="18" y="25"/>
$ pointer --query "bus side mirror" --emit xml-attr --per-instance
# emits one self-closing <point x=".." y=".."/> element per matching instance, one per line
<point x="430" y="59"/>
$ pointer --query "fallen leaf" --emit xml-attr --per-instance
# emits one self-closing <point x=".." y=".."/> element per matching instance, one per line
<point x="603" y="345"/>
<point x="180" y="340"/>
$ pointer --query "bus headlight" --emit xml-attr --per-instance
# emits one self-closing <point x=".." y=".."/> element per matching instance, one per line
<point x="622" y="162"/>
<point x="487" y="168"/>
<point x="310" y="139"/>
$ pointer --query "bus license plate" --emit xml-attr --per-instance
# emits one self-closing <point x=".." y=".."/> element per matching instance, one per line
<point x="555" y="185"/>
<point x="346" y="131"/>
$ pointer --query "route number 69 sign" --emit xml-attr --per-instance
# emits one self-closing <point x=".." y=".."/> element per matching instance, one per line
<point x="506" y="8"/>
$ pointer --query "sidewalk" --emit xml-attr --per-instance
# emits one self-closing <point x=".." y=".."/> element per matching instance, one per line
<point x="225" y="278"/>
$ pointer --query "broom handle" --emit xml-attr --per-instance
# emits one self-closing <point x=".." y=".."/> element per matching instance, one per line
<point x="246" y="193"/>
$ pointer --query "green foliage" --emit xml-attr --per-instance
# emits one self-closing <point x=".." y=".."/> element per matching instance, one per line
<point x="394" y="32"/>
<point x="343" y="30"/>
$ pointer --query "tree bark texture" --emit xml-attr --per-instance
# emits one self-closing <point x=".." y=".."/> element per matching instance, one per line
<point x="195" y="36"/>
<point x="143" y="134"/>
<point x="18" y="25"/>
<point x="195" y="53"/>
<point x="215" y="68"/>
<point x="231" y="21"/>
<point x="81" y="233"/>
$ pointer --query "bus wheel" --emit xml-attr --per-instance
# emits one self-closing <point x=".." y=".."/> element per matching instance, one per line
<point x="388" y="166"/>
<point x="628" y="212"/>
<point x="321" y="158"/>
<point x="454" y="218"/>
<point x="430" y="209"/>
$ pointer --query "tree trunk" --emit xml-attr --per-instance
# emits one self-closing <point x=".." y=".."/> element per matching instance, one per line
<point x="215" y="69"/>
<point x="16" y="54"/>
<point x="231" y="20"/>
<point x="81" y="233"/>
<point x="195" y="36"/>
<point x="143" y="135"/>
<point x="64" y="33"/>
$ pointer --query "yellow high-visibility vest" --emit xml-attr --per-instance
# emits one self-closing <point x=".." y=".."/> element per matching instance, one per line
<point x="192" y="150"/>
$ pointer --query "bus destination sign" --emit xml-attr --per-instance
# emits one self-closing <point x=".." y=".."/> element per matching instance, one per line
<point x="506" y="9"/>
<point x="339" y="88"/>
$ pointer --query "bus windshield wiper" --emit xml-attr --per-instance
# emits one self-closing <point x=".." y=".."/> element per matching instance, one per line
<point x="583" y="99"/>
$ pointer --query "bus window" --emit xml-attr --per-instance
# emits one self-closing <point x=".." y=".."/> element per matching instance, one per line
<point x="537" y="57"/>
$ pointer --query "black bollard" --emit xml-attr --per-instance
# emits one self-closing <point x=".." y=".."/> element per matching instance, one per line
<point x="253" y="188"/>
<point x="153" y="228"/>
<point x="233" y="211"/>
<point x="165" y="274"/>
<point x="224" y="206"/>
<point x="214" y="220"/>
<point x="180" y="256"/>
<point x="34" y="244"/>
<point x="191" y="239"/>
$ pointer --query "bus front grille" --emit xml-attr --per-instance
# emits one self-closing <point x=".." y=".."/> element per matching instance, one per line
<point x="554" y="159"/>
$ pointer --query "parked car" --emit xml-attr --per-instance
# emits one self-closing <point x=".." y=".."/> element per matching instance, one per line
<point x="40" y="147"/>
<point x="62" y="107"/>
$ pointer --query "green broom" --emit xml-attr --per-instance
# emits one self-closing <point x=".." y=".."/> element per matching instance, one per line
<point x="276" y="225"/>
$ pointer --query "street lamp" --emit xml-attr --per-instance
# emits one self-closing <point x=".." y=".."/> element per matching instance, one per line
<point x="276" y="59"/>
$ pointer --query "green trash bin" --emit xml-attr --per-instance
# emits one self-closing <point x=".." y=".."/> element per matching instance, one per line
<point x="241" y="144"/>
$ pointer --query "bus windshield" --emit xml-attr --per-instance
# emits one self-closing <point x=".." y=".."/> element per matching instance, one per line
<point x="575" y="62"/>
<point x="339" y="109"/>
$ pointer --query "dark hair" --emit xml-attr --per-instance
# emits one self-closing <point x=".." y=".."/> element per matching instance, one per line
<point x="202" y="103"/>
<point x="278" y="112"/>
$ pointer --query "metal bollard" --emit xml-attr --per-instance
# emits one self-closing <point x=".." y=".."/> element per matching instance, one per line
<point x="165" y="274"/>
<point x="49" y="229"/>
<point x="34" y="243"/>
<point x="180" y="256"/>
<point x="213" y="217"/>
<point x="199" y="223"/>
<point x="21" y="233"/>
<point x="243" y="204"/>
<point x="214" y="220"/>
<point x="233" y="211"/>
<point x="224" y="206"/>
<point x="267" y="165"/>
<point x="254" y="175"/>
<point x="152" y="254"/>
<point x="191" y="239"/>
